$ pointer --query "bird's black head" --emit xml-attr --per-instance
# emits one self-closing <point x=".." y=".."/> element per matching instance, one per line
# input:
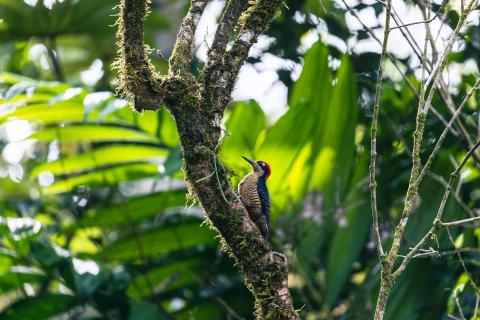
<point x="262" y="168"/>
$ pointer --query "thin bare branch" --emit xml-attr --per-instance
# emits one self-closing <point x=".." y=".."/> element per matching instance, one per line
<point x="462" y="262"/>
<point x="477" y="300"/>
<point x="423" y="108"/>
<point x="395" y="62"/>
<point x="440" y="65"/>
<point x="422" y="22"/>
<point x="415" y="249"/>
<point x="460" y="310"/>
<point x="436" y="253"/>
<point x="443" y="88"/>
<point x="461" y="222"/>
<point x="225" y="30"/>
<point x="184" y="44"/>
<point x="439" y="143"/>
<point x="137" y="77"/>
<point x="373" y="132"/>
<point x="457" y="198"/>
<point x="437" y="222"/>
<point x="386" y="282"/>
<point x="253" y="22"/>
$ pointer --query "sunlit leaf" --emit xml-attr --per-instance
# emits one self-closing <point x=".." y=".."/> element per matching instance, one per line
<point x="160" y="241"/>
<point x="40" y="307"/>
<point x="104" y="177"/>
<point x="132" y="210"/>
<point x="92" y="133"/>
<point x="113" y="154"/>
<point x="17" y="275"/>
<point x="179" y="274"/>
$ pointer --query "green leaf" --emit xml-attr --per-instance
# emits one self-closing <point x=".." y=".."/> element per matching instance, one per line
<point x="291" y="153"/>
<point x="104" y="177"/>
<point x="7" y="259"/>
<point x="350" y="236"/>
<point x="17" y="275"/>
<point x="40" y="307"/>
<point x="334" y="145"/>
<point x="132" y="210"/>
<point x="12" y="78"/>
<point x="92" y="133"/>
<point x="18" y="88"/>
<point x="48" y="254"/>
<point x="241" y="138"/>
<point x="167" y="129"/>
<point x="24" y="21"/>
<point x="88" y="276"/>
<point x="46" y="113"/>
<point x="174" y="162"/>
<point x="456" y="292"/>
<point x="19" y="229"/>
<point x="113" y="154"/>
<point x="142" y="310"/>
<point x="159" y="242"/>
<point x="177" y="274"/>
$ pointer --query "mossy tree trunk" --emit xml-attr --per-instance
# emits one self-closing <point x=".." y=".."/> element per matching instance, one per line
<point x="197" y="105"/>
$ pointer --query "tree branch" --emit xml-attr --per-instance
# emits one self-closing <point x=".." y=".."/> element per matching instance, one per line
<point x="423" y="108"/>
<point x="388" y="275"/>
<point x="437" y="222"/>
<point x="183" y="48"/>
<point x="373" y="142"/>
<point x="461" y="222"/>
<point x="139" y="82"/>
<point x="214" y="68"/>
<point x="439" y="143"/>
<point x="225" y="31"/>
<point x="253" y="22"/>
<point x="199" y="126"/>
<point x="434" y="253"/>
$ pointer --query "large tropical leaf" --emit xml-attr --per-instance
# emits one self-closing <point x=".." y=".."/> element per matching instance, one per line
<point x="159" y="242"/>
<point x="40" y="307"/>
<point x="131" y="210"/>
<point x="104" y="177"/>
<point x="92" y="133"/>
<point x="112" y="154"/>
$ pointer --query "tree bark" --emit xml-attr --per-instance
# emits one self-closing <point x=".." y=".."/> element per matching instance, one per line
<point x="197" y="106"/>
<point x="386" y="285"/>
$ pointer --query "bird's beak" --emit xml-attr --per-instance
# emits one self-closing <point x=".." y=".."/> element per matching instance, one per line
<point x="252" y="163"/>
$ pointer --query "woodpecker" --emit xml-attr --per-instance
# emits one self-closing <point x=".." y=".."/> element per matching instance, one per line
<point x="255" y="197"/>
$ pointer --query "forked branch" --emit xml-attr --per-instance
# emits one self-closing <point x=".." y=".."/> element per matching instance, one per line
<point x="427" y="91"/>
<point x="197" y="106"/>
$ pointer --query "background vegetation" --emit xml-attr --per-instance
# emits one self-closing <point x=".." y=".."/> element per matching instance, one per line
<point x="95" y="222"/>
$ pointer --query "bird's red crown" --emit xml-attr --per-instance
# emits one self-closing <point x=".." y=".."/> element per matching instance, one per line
<point x="265" y="166"/>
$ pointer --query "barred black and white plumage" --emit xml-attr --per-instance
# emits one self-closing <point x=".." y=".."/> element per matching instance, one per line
<point x="255" y="197"/>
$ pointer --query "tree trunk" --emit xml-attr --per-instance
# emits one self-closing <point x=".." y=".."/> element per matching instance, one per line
<point x="197" y="105"/>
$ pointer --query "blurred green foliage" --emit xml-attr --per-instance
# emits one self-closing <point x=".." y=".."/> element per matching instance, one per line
<point x="95" y="222"/>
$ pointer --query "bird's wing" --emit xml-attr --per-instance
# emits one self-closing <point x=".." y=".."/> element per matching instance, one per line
<point x="264" y="199"/>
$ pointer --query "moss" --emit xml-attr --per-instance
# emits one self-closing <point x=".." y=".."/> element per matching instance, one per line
<point x="198" y="120"/>
<point x="182" y="50"/>
<point x="138" y="80"/>
<point x="259" y="10"/>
